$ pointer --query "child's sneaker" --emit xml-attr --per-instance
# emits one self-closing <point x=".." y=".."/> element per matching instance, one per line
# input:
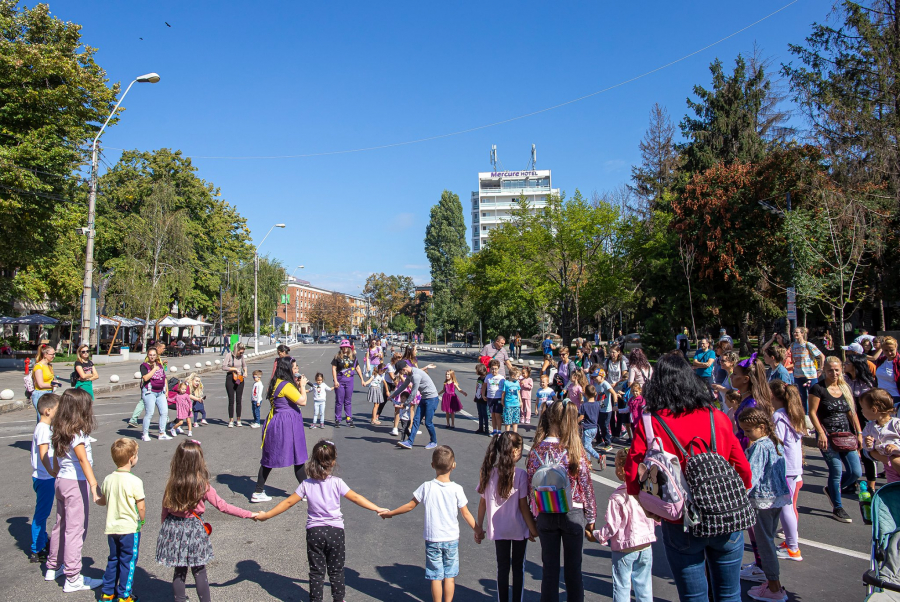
<point x="751" y="572"/>
<point x="173" y="432"/>
<point x="254" y="425"/>
<point x="81" y="584"/>
<point x="52" y="575"/>
<point x="164" y="437"/>
<point x="259" y="497"/>
<point x="107" y="597"/>
<point x="394" y="432"/>
<point x="786" y="553"/>
<point x="131" y="598"/>
<point x="204" y="422"/>
<point x="178" y="430"/>
<point x="190" y="433"/>
<point x="763" y="593"/>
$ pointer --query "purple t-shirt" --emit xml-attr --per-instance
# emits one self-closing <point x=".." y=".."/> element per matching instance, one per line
<point x="323" y="499"/>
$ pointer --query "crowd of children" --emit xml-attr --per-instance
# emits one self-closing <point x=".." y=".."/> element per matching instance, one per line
<point x="767" y="416"/>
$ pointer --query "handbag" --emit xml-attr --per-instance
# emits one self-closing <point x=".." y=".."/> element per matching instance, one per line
<point x="206" y="526"/>
<point x="843" y="441"/>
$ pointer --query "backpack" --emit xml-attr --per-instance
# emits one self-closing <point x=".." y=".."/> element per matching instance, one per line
<point x="718" y="502"/>
<point x="664" y="491"/>
<point x="551" y="487"/>
<point x="29" y="385"/>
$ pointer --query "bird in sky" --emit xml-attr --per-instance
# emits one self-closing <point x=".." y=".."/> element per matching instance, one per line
<point x="167" y="24"/>
<point x="140" y="38"/>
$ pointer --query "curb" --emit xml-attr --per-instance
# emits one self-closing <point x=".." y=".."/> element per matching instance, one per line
<point x="18" y="404"/>
<point x="466" y="353"/>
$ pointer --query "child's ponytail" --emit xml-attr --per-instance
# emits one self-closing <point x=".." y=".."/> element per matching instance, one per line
<point x="758" y="417"/>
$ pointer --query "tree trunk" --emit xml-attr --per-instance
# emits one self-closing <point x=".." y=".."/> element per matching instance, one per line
<point x="745" y="334"/>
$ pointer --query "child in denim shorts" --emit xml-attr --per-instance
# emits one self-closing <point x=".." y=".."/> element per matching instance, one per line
<point x="441" y="498"/>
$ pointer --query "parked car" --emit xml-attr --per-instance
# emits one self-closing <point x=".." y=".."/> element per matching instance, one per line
<point x="632" y="342"/>
<point x="306" y="340"/>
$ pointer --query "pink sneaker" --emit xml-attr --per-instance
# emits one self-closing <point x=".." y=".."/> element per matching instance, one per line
<point x="763" y="593"/>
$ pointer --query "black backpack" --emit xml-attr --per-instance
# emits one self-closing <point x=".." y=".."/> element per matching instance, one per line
<point x="719" y="504"/>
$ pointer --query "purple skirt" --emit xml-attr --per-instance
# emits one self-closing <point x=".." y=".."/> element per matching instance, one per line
<point x="284" y="440"/>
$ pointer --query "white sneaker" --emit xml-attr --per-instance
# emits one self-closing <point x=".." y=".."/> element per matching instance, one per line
<point x="174" y="433"/>
<point x="52" y="575"/>
<point x="230" y="424"/>
<point x="419" y="433"/>
<point x="164" y="437"/>
<point x="239" y="423"/>
<point x="254" y="425"/>
<point x="190" y="433"/>
<point x="81" y="584"/>
<point x="145" y="437"/>
<point x="259" y="497"/>
<point x="204" y="422"/>
<point x="753" y="573"/>
<point x="394" y="432"/>
<point x="178" y="430"/>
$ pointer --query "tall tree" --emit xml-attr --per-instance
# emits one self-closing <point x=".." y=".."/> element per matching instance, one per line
<point x="659" y="159"/>
<point x="52" y="96"/>
<point x="725" y="127"/>
<point x="445" y="244"/>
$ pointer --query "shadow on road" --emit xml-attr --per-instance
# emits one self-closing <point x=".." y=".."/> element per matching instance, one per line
<point x="24" y="445"/>
<point x="278" y="587"/>
<point x="245" y="486"/>
<point x="403" y="583"/>
<point x="20" y="529"/>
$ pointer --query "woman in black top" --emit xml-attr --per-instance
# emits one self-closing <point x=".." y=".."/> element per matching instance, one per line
<point x="831" y="411"/>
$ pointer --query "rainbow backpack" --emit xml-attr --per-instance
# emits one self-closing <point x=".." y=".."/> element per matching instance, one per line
<point x="551" y="487"/>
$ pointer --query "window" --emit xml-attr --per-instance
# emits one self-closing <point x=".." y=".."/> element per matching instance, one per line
<point x="484" y="215"/>
<point x="484" y="227"/>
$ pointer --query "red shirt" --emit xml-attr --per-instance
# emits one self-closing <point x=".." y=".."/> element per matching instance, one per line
<point x="686" y="427"/>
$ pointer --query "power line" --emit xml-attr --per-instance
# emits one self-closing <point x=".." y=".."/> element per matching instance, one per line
<point x="511" y="119"/>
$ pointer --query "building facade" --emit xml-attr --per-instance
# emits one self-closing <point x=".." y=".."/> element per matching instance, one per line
<point x="300" y="296"/>
<point x="498" y="194"/>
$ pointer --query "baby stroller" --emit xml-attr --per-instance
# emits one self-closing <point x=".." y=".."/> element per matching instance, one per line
<point x="883" y="578"/>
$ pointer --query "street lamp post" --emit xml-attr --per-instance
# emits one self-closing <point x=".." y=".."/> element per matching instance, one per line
<point x="149" y="78"/>
<point x="256" y="288"/>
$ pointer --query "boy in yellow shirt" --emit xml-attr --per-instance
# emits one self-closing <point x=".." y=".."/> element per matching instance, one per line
<point x="123" y="493"/>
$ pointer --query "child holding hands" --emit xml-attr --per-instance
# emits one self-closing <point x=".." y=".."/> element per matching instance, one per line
<point x="323" y="491"/>
<point x="504" y="502"/>
<point x="441" y="498"/>
<point x="630" y="533"/>
<point x="183" y="536"/>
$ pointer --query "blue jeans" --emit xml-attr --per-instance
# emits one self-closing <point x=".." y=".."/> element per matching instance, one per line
<point x="441" y="559"/>
<point x="690" y="556"/>
<point x="587" y="436"/>
<point x="425" y="408"/>
<point x="484" y="420"/>
<point x="603" y="419"/>
<point x="120" y="565"/>
<point x="630" y="569"/>
<point x="158" y="401"/>
<point x="843" y="470"/>
<point x="45" y="492"/>
<point x="254" y="405"/>
<point x="803" y="387"/>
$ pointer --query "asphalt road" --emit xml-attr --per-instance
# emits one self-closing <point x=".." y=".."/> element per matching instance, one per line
<point x="385" y="559"/>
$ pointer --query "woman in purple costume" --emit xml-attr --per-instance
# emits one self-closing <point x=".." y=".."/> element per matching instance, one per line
<point x="283" y="437"/>
<point x="342" y="367"/>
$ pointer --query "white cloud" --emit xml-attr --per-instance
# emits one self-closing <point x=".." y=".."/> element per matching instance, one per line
<point x="416" y="266"/>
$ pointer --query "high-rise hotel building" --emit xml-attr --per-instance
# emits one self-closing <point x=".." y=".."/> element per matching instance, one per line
<point x="497" y="195"/>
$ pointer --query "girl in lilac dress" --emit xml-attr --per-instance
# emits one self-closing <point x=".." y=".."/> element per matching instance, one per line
<point x="450" y="404"/>
<point x="284" y="440"/>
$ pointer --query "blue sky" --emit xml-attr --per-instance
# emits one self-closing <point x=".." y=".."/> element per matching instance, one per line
<point x="271" y="79"/>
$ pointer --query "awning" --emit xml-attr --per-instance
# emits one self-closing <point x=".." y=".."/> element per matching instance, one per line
<point x="34" y="320"/>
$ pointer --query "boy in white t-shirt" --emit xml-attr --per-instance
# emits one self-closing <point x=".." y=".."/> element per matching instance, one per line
<point x="43" y="477"/>
<point x="256" y="397"/>
<point x="441" y="498"/>
<point x="545" y="395"/>
<point x="319" y="389"/>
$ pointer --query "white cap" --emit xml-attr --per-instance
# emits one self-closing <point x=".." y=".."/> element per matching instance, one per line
<point x="855" y="348"/>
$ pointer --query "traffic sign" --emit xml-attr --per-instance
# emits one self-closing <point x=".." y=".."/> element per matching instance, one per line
<point x="791" y="303"/>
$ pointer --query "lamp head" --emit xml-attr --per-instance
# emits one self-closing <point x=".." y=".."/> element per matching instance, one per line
<point x="149" y="78"/>
<point x="280" y="226"/>
<point x="301" y="267"/>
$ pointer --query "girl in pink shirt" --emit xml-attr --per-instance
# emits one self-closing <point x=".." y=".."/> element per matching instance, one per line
<point x="504" y="502"/>
<point x="630" y="534"/>
<point x="527" y="385"/>
<point x="183" y="537"/>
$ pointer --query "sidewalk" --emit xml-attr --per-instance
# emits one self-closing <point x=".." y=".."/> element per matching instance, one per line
<point x="13" y="379"/>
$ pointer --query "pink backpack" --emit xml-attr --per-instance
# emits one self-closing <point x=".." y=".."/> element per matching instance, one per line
<point x="664" y="491"/>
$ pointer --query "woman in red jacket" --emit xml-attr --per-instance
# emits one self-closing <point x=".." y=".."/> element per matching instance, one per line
<point x="683" y="401"/>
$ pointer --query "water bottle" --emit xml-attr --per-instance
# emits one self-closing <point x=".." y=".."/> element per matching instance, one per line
<point x="865" y="503"/>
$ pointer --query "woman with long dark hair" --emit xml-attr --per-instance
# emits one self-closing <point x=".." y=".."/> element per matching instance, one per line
<point x="675" y="394"/>
<point x="283" y="438"/>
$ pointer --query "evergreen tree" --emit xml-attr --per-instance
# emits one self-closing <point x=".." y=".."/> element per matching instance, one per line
<point x="726" y="127"/>
<point x="656" y="173"/>
<point x="445" y="244"/>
